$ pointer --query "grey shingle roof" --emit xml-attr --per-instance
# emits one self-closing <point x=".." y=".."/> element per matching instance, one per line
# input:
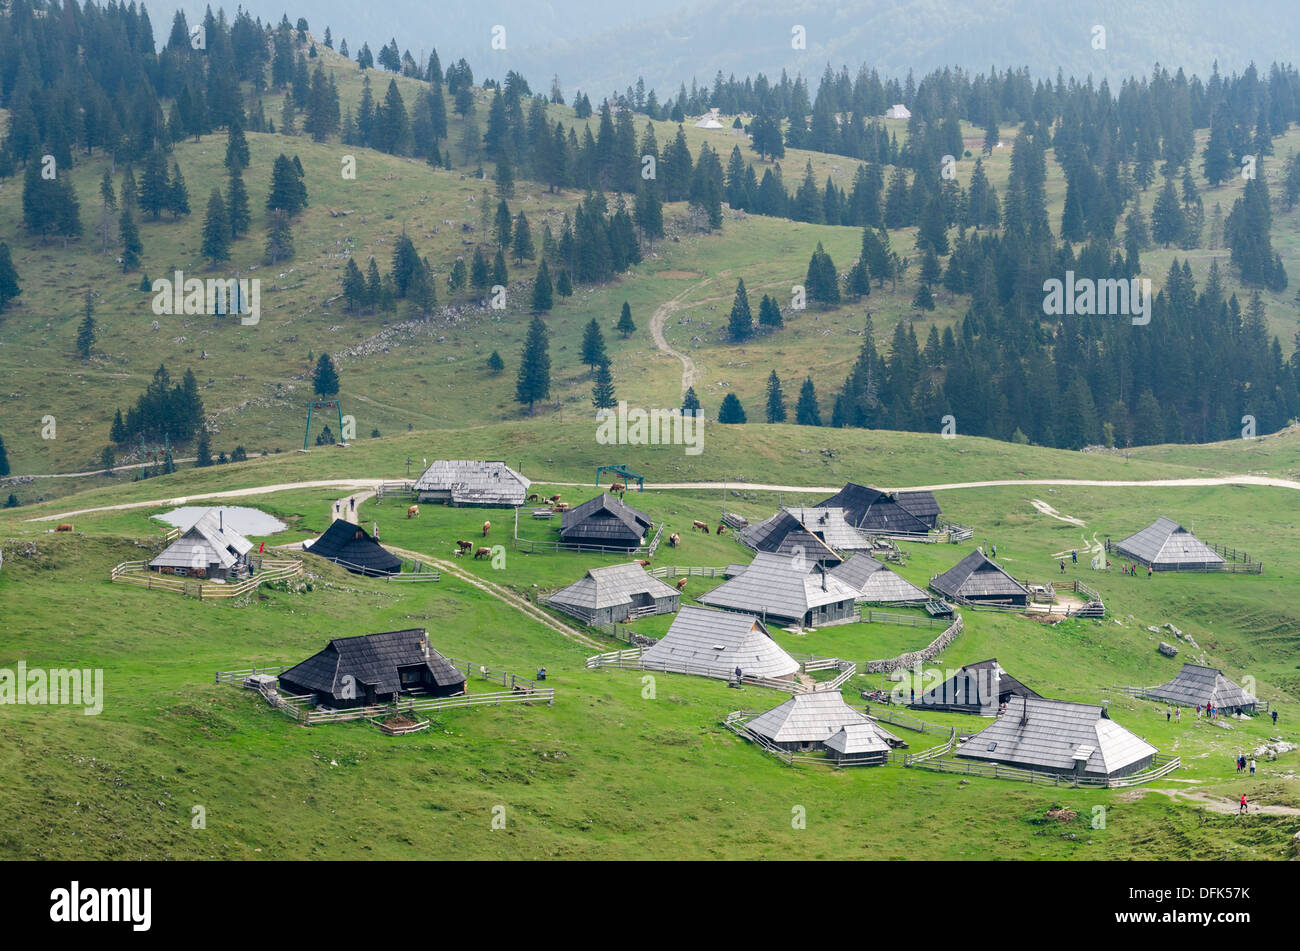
<point x="718" y="642"/>
<point x="811" y="527"/>
<point x="612" y="585"/>
<point x="371" y="660"/>
<point x="856" y="738"/>
<point x="784" y="534"/>
<point x="875" y="582"/>
<point x="808" y="718"/>
<point x="207" y="542"/>
<point x="351" y="546"/>
<point x="605" y="520"/>
<point x="976" y="576"/>
<point x="1050" y="734"/>
<point x="475" y="482"/>
<point x="1165" y="542"/>
<point x="1195" y="685"/>
<point x="772" y="584"/>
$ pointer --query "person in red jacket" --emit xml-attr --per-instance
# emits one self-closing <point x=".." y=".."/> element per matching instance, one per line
<point x="1243" y="804"/>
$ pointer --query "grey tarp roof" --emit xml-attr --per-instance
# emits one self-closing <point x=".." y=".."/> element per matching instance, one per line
<point x="1035" y="733"/>
<point x="875" y="582"/>
<point x="719" y="642"/>
<point x="206" y="543"/>
<point x="373" y="660"/>
<point x="1201" y="685"/>
<point x="606" y="517"/>
<point x="773" y="584"/>
<point x="977" y="685"/>
<point x="477" y="481"/>
<point x="611" y="585"/>
<point x="809" y="718"/>
<point x="1165" y="542"/>
<point x="977" y="576"/>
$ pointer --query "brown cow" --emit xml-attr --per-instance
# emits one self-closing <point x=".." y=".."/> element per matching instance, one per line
<point x="681" y="584"/>
<point x="464" y="545"/>
<point x="722" y="529"/>
<point x="534" y="497"/>
<point x="413" y="511"/>
<point x="617" y="487"/>
<point x="65" y="527"/>
<point x="561" y="507"/>
<point x="487" y="527"/>
<point x="483" y="553"/>
<point x="674" y="539"/>
<point x="700" y="526"/>
<point x="553" y="498"/>
<point x="644" y="563"/>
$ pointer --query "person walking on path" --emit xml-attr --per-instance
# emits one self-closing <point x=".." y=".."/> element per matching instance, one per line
<point x="1242" y="808"/>
<point x="1062" y="566"/>
<point x="1178" y="714"/>
<point x="1168" y="714"/>
<point x="1074" y="557"/>
<point x="1275" y="718"/>
<point x="1198" y="711"/>
<point x="1149" y="570"/>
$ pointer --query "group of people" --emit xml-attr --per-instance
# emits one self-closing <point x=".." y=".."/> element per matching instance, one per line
<point x="1129" y="568"/>
<point x="1242" y="763"/>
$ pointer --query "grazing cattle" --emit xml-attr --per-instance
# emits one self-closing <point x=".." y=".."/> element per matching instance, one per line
<point x="674" y="539"/>
<point x="644" y="563"/>
<point x="483" y="553"/>
<point x="681" y="584"/>
<point x="534" y="497"/>
<point x="65" y="527"/>
<point x="553" y="498"/>
<point x="617" y="487"/>
<point x="413" y="511"/>
<point x="487" y="527"/>
<point x="722" y="529"/>
<point x="700" y="526"/>
<point x="460" y="551"/>
<point x="561" y="507"/>
<point x="464" y="545"/>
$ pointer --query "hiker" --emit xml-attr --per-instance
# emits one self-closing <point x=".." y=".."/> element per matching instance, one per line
<point x="1168" y="714"/>
<point x="352" y="502"/>
<point x="1252" y="766"/>
<point x="739" y="675"/>
<point x="541" y="673"/>
<point x="1149" y="571"/>
<point x="1275" y="718"/>
<point x="1242" y="808"/>
<point x="995" y="551"/>
<point x="1198" y="711"/>
<point x="1178" y="714"/>
<point x="1074" y="557"/>
<point x="1062" y="566"/>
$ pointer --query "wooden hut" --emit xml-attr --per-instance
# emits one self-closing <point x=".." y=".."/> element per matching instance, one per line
<point x="874" y="512"/>
<point x="374" y="669"/>
<point x="976" y="578"/>
<point x="775" y="587"/>
<point x="874" y="583"/>
<point x="470" y="482"/>
<point x="352" y="547"/>
<point x="808" y="722"/>
<point x="1057" y="736"/>
<point x="1164" y="545"/>
<point x="1200" y="686"/>
<point x="716" y="643"/>
<point x="616" y="593"/>
<point x="605" y="522"/>
<point x="979" y="688"/>
<point x="207" y="549"/>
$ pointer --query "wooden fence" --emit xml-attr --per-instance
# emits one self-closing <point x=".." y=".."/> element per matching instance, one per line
<point x="531" y="546"/>
<point x="678" y="571"/>
<point x="1161" y="766"/>
<point x="871" y="616"/>
<point x="906" y="720"/>
<point x="631" y="659"/>
<point x="137" y="573"/>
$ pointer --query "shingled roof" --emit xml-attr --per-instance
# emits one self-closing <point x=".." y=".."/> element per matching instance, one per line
<point x="979" y="686"/>
<point x="976" y="577"/>
<point x="875" y="582"/>
<point x="1054" y="735"/>
<point x="475" y="482"/>
<point x="785" y="534"/>
<point x="1165" y="543"/>
<point x="352" y="547"/>
<point x="715" y="643"/>
<point x="1196" y="685"/>
<point x="882" y="513"/>
<point x="605" y="520"/>
<point x="810" y="718"/>
<point x="609" y="586"/>
<point x="372" y="660"/>
<point x="773" y="584"/>
<point x="207" y="542"/>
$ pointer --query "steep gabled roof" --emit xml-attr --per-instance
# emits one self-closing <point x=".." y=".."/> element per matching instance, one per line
<point x="784" y="534"/>
<point x="475" y="481"/>
<point x="807" y="718"/>
<point x="875" y="582"/>
<point x="1165" y="542"/>
<point x="605" y="515"/>
<point x="1053" y="734"/>
<point x="773" y="584"/>
<point x="857" y="738"/>
<point x="1196" y="685"/>
<point x="876" y="512"/>
<point x="981" y="684"/>
<point x="830" y="524"/>
<point x="611" y="585"/>
<point x="208" y="541"/>
<point x="977" y="576"/>
<point x="351" y="546"/>
<point x="372" y="660"/>
<point x="715" y="643"/>
<point x="922" y="504"/>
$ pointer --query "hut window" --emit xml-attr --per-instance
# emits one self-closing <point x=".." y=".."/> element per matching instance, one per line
<point x="993" y="746"/>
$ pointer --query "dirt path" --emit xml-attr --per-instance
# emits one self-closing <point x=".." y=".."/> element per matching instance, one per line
<point x="657" y="321"/>
<point x="503" y="594"/>
<point x="346" y="507"/>
<point x="1048" y="510"/>
<point x="1226" y="807"/>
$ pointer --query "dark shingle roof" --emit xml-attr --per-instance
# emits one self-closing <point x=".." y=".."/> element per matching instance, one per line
<point x="371" y="660"/>
<point x="352" y="546"/>
<point x="872" y="511"/>
<point x="875" y="582"/>
<point x="980" y="684"/>
<point x="976" y="576"/>
<point x="605" y="517"/>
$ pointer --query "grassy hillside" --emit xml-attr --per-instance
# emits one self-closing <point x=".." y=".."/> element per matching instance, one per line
<point x="606" y="772"/>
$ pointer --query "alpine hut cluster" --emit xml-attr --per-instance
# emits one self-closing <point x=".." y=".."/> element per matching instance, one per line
<point x="822" y="721"/>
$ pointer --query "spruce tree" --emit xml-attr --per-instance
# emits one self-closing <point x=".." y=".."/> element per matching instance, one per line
<point x="769" y="312"/>
<point x="522" y="243"/>
<point x="740" y="325"/>
<point x="495" y="363"/>
<point x="593" y="345"/>
<point x="731" y="411"/>
<point x="216" y="230"/>
<point x="602" y="391"/>
<point x="325" y="378"/>
<point x="279" y="237"/>
<point x="354" y="286"/>
<point x="806" y="412"/>
<point x="237" y="204"/>
<point x="625" y="326"/>
<point x="178" y="196"/>
<point x="4" y="463"/>
<point x="480" y="277"/>
<point x="775" y="399"/>
<point x="542" y="291"/>
<point x="86" y="332"/>
<point x="203" y="450"/>
<point x="563" y="286"/>
<point x="9" y="287"/>
<point x="287" y="188"/>
<point x="534" y="381"/>
<point x="690" y="402"/>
